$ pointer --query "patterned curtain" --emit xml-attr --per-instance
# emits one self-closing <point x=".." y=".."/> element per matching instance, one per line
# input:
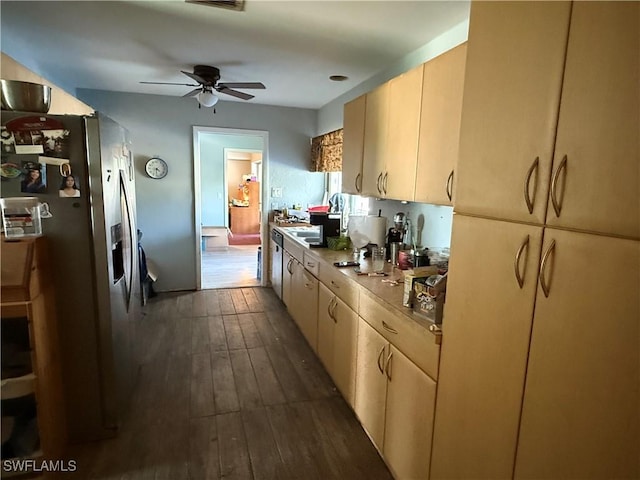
<point x="326" y="152"/>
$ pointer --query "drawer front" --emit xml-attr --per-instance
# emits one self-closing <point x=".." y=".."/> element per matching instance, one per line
<point x="413" y="340"/>
<point x="311" y="264"/>
<point x="294" y="249"/>
<point x="345" y="288"/>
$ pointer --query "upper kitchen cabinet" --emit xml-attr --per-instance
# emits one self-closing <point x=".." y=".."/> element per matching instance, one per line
<point x="442" y="89"/>
<point x="513" y="79"/>
<point x="392" y="122"/>
<point x="405" y="94"/>
<point x="595" y="182"/>
<point x="375" y="141"/>
<point x="353" y="145"/>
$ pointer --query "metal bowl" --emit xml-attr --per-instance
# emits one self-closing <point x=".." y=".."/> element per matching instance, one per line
<point x="25" y="96"/>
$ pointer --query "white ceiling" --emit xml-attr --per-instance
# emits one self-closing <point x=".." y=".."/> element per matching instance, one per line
<point x="290" y="46"/>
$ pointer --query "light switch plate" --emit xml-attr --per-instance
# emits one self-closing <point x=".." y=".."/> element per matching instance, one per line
<point x="276" y="192"/>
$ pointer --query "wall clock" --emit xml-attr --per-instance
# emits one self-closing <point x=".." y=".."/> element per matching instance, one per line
<point x="156" y="168"/>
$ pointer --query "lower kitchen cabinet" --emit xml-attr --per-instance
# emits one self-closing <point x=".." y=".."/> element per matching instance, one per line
<point x="305" y="304"/>
<point x="337" y="341"/>
<point x="581" y="410"/>
<point x="395" y="403"/>
<point x="484" y="347"/>
<point x="411" y="396"/>
<point x="540" y="361"/>
<point x="371" y="382"/>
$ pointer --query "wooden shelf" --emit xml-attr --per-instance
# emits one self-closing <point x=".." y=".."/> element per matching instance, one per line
<point x="28" y="296"/>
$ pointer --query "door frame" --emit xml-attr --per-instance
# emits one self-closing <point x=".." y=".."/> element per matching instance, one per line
<point x="198" y="133"/>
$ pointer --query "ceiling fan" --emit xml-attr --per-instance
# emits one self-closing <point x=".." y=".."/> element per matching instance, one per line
<point x="207" y="78"/>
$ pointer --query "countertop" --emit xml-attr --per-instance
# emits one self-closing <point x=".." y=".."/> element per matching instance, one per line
<point x="381" y="289"/>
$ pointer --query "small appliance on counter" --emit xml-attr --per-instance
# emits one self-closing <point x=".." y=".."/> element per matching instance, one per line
<point x="329" y="223"/>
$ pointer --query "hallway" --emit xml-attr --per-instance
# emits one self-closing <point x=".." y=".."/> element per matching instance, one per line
<point x="228" y="388"/>
<point x="230" y="267"/>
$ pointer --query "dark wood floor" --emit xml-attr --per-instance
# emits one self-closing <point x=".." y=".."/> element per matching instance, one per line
<point x="229" y="389"/>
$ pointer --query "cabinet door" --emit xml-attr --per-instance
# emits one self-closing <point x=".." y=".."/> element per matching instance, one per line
<point x="510" y="107"/>
<point x="353" y="145"/>
<point x="411" y="396"/>
<point x="405" y="99"/>
<point x="599" y="122"/>
<point x="326" y="327"/>
<point x="287" y="278"/>
<point x="344" y="353"/>
<point x="371" y="382"/>
<point x="580" y="411"/>
<point x="484" y="347"/>
<point x="375" y="140"/>
<point x="443" y="85"/>
<point x="307" y="310"/>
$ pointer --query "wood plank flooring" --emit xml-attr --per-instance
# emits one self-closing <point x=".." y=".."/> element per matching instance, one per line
<point x="232" y="266"/>
<point x="229" y="389"/>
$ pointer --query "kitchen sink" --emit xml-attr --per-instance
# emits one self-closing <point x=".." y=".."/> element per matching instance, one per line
<point x="311" y="233"/>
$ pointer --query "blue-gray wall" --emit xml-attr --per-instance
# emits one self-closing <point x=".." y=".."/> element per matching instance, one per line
<point x="163" y="126"/>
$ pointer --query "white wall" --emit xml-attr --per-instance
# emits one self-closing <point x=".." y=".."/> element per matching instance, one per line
<point x="161" y="125"/>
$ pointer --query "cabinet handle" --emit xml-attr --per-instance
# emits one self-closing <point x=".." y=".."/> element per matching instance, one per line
<point x="388" y="365"/>
<point x="516" y="264"/>
<point x="358" y="177"/>
<point x="379" y="180"/>
<point x="557" y="204"/>
<point x="335" y="284"/>
<point x="449" y="186"/>
<point x="380" y="358"/>
<point x="332" y="309"/>
<point x="388" y="328"/>
<point x="528" y="199"/>
<point x="384" y="182"/>
<point x="311" y="264"/>
<point x="543" y="267"/>
<point x="333" y="312"/>
<point x="289" y="266"/>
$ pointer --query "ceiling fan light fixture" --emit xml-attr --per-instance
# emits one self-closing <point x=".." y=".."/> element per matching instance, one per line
<point x="206" y="98"/>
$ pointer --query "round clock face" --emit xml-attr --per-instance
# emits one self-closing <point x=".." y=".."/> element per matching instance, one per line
<point x="156" y="168"/>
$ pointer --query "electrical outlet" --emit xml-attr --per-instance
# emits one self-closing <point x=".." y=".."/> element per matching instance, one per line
<point x="276" y="192"/>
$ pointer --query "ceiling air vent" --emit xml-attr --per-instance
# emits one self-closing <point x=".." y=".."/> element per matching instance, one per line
<point x="228" y="4"/>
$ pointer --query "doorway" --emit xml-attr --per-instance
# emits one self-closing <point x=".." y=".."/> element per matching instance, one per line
<point x="226" y="196"/>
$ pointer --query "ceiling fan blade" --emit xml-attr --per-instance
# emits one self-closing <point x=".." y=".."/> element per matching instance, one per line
<point x="242" y="85"/>
<point x="171" y="83"/>
<point x="193" y="92"/>
<point x="197" y="78"/>
<point x="234" y="93"/>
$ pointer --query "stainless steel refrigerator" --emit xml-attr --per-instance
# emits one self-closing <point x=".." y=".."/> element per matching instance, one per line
<point x="93" y="242"/>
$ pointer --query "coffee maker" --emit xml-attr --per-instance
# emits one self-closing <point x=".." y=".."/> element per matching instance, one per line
<point x="395" y="237"/>
<point x="329" y="223"/>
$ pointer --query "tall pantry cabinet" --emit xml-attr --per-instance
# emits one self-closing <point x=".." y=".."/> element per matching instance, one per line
<point x="540" y="361"/>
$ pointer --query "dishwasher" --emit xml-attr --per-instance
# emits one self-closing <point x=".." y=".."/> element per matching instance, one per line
<point x="276" y="262"/>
